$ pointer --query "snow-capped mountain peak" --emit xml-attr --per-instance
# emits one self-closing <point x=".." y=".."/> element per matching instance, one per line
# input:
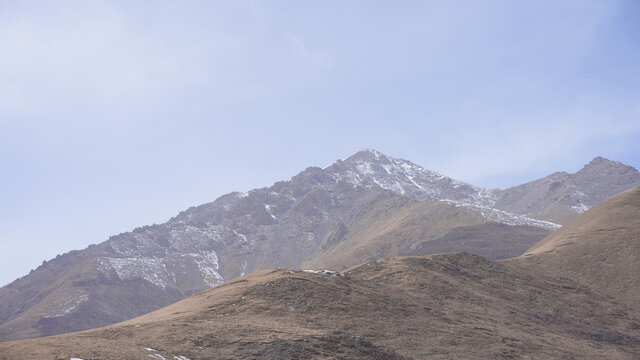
<point x="372" y="168"/>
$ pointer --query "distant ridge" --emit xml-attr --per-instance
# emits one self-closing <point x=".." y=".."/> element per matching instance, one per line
<point x="560" y="196"/>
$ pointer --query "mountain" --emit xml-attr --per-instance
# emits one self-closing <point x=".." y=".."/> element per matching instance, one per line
<point x="560" y="196"/>
<point x="367" y="207"/>
<point x="600" y="247"/>
<point x="454" y="306"/>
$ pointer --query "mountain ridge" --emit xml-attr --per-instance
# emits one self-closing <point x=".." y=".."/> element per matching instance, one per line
<point x="284" y="225"/>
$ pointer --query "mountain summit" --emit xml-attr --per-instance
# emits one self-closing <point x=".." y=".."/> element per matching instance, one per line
<point x="556" y="198"/>
<point x="371" y="168"/>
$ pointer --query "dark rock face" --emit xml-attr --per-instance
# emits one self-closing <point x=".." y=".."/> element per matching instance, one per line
<point x="284" y="225"/>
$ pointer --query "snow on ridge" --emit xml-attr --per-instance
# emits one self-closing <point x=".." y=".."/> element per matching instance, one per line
<point x="376" y="153"/>
<point x="504" y="217"/>
<point x="404" y="177"/>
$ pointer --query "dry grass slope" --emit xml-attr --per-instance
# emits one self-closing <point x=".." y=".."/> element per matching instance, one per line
<point x="600" y="247"/>
<point x="426" y="307"/>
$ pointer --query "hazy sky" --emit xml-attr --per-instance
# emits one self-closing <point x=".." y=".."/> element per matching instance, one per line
<point x="116" y="114"/>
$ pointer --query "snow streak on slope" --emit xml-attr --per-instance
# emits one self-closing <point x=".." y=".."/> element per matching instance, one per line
<point x="161" y="271"/>
<point x="65" y="307"/>
<point x="507" y="218"/>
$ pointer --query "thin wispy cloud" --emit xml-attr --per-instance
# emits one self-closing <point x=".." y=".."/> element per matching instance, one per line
<point x="300" y="50"/>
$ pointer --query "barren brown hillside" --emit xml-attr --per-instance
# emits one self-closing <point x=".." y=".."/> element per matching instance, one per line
<point x="600" y="247"/>
<point x="456" y="306"/>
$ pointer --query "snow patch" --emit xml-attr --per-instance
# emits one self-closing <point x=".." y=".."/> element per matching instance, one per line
<point x="208" y="265"/>
<point x="268" y="208"/>
<point x="162" y="357"/>
<point x="151" y="269"/>
<point x="69" y="305"/>
<point x="580" y="208"/>
<point x="190" y="237"/>
<point x="242" y="237"/>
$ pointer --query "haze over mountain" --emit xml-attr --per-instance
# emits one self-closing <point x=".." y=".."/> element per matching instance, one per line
<point x="367" y="207"/>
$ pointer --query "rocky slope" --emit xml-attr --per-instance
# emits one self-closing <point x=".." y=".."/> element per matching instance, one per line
<point x="365" y="207"/>
<point x="560" y="196"/>
<point x="456" y="306"/>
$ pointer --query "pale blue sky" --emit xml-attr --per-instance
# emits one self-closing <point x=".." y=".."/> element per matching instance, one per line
<point x="120" y="114"/>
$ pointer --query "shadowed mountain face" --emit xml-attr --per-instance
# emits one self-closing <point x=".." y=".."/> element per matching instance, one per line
<point x="456" y="306"/>
<point x="364" y="208"/>
<point x="600" y="247"/>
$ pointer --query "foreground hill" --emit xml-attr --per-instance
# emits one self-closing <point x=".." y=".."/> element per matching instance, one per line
<point x="367" y="207"/>
<point x="437" y="307"/>
<point x="600" y="248"/>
